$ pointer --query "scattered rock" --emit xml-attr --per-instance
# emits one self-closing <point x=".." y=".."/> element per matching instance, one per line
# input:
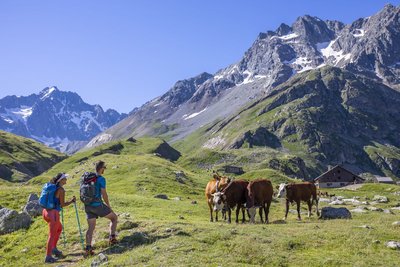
<point x="393" y="244"/>
<point x="395" y="208"/>
<point x="326" y="200"/>
<point x="380" y="199"/>
<point x="25" y="250"/>
<point x="352" y="201"/>
<point x="169" y="230"/>
<point x="396" y="193"/>
<point x="194" y="202"/>
<point x="162" y="196"/>
<point x="33" y="208"/>
<point x="335" y="213"/>
<point x="388" y="211"/>
<point x="181" y="217"/>
<point x="376" y="242"/>
<point x="337" y="202"/>
<point x="397" y="223"/>
<point x="180" y="176"/>
<point x="177" y="198"/>
<point x="365" y="226"/>
<point x="125" y="215"/>
<point x="32" y="197"/>
<point x="11" y="220"/>
<point x="375" y="209"/>
<point x="115" y="167"/>
<point x="358" y="210"/>
<point x="101" y="258"/>
<point x="365" y="203"/>
<point x="127" y="225"/>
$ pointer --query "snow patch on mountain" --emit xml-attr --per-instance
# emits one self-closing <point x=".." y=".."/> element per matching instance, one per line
<point x="359" y="33"/>
<point x="186" y="117"/>
<point x="48" y="93"/>
<point x="329" y="52"/>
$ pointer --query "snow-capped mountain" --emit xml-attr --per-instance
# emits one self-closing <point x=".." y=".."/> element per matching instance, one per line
<point x="61" y="120"/>
<point x="368" y="47"/>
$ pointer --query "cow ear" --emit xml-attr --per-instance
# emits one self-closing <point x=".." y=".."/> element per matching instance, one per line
<point x="277" y="187"/>
<point x="223" y="197"/>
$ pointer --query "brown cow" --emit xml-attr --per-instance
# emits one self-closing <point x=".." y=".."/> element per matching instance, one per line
<point x="234" y="194"/>
<point x="259" y="194"/>
<point x="299" y="192"/>
<point x="214" y="185"/>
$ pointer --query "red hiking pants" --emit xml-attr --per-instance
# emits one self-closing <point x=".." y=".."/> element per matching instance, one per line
<point x="52" y="217"/>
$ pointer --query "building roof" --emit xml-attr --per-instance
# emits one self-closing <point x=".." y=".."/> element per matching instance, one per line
<point x="333" y="179"/>
<point x="382" y="179"/>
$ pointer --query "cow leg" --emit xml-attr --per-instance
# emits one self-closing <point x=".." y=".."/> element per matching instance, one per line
<point x="316" y="202"/>
<point x="216" y="215"/>
<point x="266" y="210"/>
<point x="229" y="215"/>
<point x="298" y="210"/>
<point x="260" y="212"/>
<point x="243" y="215"/>
<point x="309" y="203"/>
<point x="237" y="213"/>
<point x="211" y="212"/>
<point x="287" y="209"/>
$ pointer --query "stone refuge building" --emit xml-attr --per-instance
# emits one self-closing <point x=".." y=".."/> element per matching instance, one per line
<point x="337" y="177"/>
<point x="383" y="180"/>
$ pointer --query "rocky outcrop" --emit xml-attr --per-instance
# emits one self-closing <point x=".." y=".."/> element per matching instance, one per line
<point x="11" y="220"/>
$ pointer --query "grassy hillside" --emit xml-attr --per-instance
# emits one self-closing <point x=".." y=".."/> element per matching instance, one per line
<point x="178" y="232"/>
<point x="22" y="158"/>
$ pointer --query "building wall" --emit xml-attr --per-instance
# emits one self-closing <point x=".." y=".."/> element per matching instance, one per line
<point x="333" y="184"/>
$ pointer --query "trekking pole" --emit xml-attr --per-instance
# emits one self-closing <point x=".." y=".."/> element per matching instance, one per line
<point x="62" y="221"/>
<point x="79" y="226"/>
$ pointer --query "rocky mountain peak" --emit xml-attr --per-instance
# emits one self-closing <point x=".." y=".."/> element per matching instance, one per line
<point x="313" y="29"/>
<point x="283" y="29"/>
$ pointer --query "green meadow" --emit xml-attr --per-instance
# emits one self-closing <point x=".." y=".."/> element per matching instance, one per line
<point x="177" y="231"/>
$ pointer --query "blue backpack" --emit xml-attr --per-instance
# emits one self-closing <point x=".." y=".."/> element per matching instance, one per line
<point x="47" y="198"/>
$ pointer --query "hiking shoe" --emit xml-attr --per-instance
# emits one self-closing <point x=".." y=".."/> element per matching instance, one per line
<point x="49" y="259"/>
<point x="113" y="240"/>
<point x="88" y="251"/>
<point x="57" y="253"/>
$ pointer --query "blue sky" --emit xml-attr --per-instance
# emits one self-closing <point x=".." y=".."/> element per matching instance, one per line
<point x="121" y="54"/>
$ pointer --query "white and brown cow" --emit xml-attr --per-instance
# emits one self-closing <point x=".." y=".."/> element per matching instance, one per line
<point x="215" y="185"/>
<point x="233" y="195"/>
<point x="299" y="192"/>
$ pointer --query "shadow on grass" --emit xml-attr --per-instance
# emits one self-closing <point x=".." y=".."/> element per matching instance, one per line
<point x="131" y="241"/>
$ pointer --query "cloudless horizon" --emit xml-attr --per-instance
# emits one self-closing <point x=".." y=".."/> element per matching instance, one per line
<point x="121" y="54"/>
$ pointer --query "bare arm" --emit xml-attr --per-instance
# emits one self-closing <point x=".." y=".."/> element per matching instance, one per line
<point x="105" y="197"/>
<point x="60" y="194"/>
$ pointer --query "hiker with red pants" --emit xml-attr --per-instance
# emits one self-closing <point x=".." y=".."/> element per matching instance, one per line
<point x="98" y="208"/>
<point x="53" y="200"/>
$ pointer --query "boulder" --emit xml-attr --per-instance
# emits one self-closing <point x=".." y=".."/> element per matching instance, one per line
<point x="335" y="213"/>
<point x="11" y="220"/>
<point x="32" y="197"/>
<point x="33" y="208"/>
<point x="397" y="223"/>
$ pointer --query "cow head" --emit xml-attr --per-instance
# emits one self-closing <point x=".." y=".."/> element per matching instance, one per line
<point x="281" y="190"/>
<point x="218" y="200"/>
